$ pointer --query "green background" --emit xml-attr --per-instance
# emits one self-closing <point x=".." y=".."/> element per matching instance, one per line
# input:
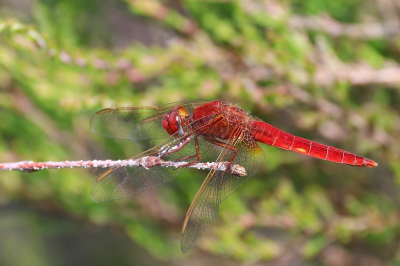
<point x="326" y="70"/>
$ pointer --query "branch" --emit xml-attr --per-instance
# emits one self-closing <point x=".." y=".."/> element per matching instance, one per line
<point x="334" y="28"/>
<point x="146" y="162"/>
<point x="35" y="39"/>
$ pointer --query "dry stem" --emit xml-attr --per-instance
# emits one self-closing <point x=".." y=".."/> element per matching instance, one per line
<point x="145" y="162"/>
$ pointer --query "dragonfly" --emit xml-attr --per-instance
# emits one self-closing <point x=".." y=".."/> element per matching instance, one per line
<point x="193" y="132"/>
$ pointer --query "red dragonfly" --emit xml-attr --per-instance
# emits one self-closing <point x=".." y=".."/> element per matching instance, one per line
<point x="193" y="132"/>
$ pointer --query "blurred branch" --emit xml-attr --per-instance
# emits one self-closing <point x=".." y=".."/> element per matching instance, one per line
<point x="389" y="28"/>
<point x="326" y="74"/>
<point x="388" y="13"/>
<point x="13" y="27"/>
<point x="358" y="74"/>
<point x="336" y="29"/>
<point x="324" y="106"/>
<point x="155" y="9"/>
<point x="145" y="162"/>
<point x="49" y="127"/>
<point x="35" y="41"/>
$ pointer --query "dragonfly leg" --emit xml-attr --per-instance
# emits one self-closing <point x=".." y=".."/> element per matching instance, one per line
<point x="176" y="148"/>
<point x="197" y="155"/>
<point x="215" y="121"/>
<point x="187" y="157"/>
<point x="180" y="146"/>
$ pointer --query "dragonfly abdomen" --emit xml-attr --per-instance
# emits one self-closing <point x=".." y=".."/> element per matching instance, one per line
<point x="273" y="136"/>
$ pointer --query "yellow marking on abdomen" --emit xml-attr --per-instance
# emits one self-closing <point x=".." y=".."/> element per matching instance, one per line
<point x="301" y="150"/>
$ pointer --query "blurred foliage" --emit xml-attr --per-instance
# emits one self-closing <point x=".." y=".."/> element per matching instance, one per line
<point x="329" y="81"/>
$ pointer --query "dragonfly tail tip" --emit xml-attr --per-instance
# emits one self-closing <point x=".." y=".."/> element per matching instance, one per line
<point x="371" y="163"/>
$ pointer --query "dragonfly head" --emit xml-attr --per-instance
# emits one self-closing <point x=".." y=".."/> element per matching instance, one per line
<point x="175" y="120"/>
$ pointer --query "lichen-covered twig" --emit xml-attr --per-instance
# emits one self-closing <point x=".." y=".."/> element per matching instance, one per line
<point x="146" y="162"/>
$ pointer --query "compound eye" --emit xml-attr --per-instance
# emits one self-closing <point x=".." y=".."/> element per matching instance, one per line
<point x="173" y="122"/>
<point x="166" y="124"/>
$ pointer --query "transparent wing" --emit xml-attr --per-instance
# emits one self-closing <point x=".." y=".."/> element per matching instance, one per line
<point x="120" y="182"/>
<point x="219" y="185"/>
<point x="142" y="125"/>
